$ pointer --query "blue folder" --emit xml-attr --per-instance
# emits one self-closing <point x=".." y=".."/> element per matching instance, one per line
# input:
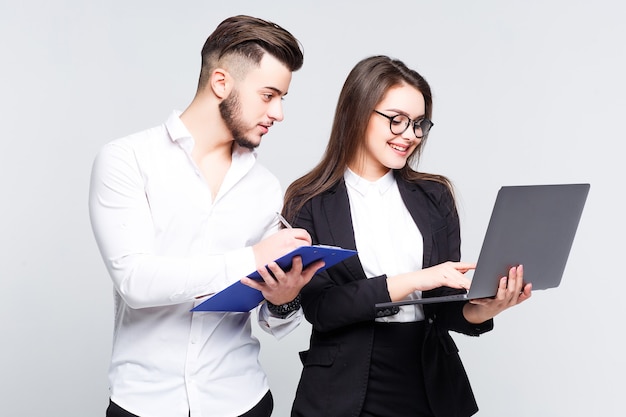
<point x="241" y="298"/>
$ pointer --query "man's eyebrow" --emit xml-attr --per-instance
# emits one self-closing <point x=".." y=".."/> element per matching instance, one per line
<point x="277" y="91"/>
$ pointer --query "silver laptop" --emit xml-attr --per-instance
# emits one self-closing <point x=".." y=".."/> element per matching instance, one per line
<point x="531" y="225"/>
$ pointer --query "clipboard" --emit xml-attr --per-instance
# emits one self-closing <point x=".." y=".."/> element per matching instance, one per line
<point x="240" y="298"/>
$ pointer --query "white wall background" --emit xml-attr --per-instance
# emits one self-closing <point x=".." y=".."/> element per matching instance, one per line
<point x="525" y="92"/>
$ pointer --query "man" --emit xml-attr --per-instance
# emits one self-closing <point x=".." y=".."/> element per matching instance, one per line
<point x="183" y="210"/>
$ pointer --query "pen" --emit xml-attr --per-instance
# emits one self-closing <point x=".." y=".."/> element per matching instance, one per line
<point x="283" y="221"/>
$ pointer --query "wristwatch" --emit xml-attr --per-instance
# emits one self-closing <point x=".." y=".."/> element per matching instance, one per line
<point x="283" y="310"/>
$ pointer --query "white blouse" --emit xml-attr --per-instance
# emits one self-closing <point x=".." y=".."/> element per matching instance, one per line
<point x="387" y="239"/>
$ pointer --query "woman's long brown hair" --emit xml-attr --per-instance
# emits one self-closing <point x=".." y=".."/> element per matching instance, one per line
<point x="363" y="89"/>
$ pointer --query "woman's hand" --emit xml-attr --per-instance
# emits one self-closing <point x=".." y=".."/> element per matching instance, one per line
<point x="447" y="274"/>
<point x="511" y="292"/>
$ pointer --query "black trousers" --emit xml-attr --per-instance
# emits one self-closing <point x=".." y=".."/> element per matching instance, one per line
<point x="262" y="409"/>
<point x="396" y="375"/>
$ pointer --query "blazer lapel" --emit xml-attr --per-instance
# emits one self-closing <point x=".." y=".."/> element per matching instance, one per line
<point x="417" y="204"/>
<point x="336" y="210"/>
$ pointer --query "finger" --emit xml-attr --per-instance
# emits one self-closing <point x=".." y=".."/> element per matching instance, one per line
<point x="516" y="279"/>
<point x="517" y="292"/>
<point x="455" y="279"/>
<point x="463" y="267"/>
<point x="309" y="272"/>
<point x="304" y="241"/>
<point x="268" y="277"/>
<point x="462" y="282"/>
<point x="300" y="277"/>
<point x="502" y="288"/>
<point x="299" y="234"/>
<point x="526" y="293"/>
<point x="296" y="269"/>
<point x="253" y="283"/>
<point x="296" y="265"/>
<point x="510" y="284"/>
<point x="315" y="266"/>
<point x="466" y="282"/>
<point x="528" y="288"/>
<point x="274" y="274"/>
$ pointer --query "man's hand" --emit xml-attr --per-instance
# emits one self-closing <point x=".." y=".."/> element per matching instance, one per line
<point x="279" y="244"/>
<point x="280" y="287"/>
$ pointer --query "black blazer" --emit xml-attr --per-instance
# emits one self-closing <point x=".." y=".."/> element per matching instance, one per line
<point x="339" y="303"/>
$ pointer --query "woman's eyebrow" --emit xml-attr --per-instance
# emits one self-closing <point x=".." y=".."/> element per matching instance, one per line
<point x="393" y="109"/>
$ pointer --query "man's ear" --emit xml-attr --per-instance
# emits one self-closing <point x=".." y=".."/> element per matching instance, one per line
<point x="221" y="83"/>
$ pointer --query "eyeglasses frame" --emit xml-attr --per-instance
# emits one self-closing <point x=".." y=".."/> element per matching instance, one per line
<point x="411" y="122"/>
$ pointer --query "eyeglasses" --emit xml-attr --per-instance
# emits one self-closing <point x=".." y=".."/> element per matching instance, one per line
<point x="399" y="123"/>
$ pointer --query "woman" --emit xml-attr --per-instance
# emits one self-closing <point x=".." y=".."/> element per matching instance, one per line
<point x="365" y="195"/>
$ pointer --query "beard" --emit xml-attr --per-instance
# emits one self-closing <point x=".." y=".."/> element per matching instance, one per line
<point x="230" y="109"/>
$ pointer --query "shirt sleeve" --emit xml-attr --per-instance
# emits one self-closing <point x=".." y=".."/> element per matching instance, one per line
<point x="122" y="224"/>
<point x="278" y="327"/>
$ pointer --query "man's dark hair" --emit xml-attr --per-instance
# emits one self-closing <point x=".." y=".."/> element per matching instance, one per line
<point x="248" y="38"/>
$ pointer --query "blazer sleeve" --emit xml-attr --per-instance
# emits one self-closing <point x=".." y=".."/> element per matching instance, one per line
<point x="446" y="232"/>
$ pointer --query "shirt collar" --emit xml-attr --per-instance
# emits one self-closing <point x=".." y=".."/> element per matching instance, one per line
<point x="363" y="186"/>
<point x="178" y="131"/>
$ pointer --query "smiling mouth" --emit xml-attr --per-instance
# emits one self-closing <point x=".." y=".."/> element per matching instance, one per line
<point x="399" y="148"/>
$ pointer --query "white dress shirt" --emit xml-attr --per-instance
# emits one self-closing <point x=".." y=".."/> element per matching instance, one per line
<point x="387" y="239"/>
<point x="165" y="241"/>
